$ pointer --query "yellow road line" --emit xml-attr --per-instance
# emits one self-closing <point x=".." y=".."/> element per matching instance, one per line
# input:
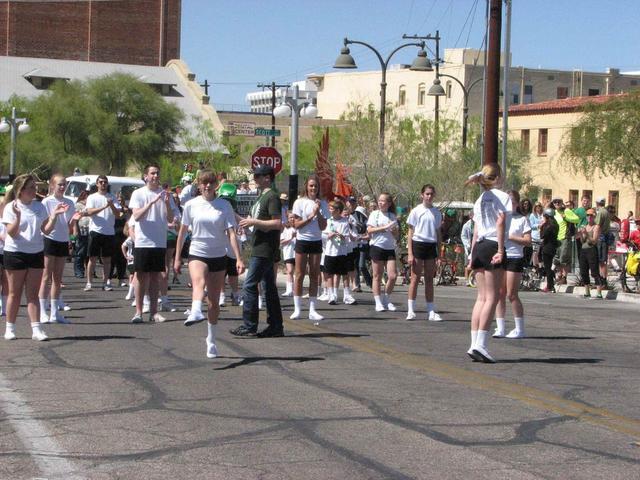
<point x="531" y="396"/>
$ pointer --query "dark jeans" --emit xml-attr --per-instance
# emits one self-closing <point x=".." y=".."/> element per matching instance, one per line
<point x="80" y="250"/>
<point x="118" y="262"/>
<point x="261" y="268"/>
<point x="589" y="261"/>
<point x="362" y="266"/>
<point x="547" y="260"/>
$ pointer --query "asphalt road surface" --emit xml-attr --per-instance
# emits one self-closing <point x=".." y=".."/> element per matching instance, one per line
<point x="364" y="395"/>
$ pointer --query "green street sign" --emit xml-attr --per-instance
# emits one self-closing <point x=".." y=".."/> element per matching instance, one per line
<point x="265" y="132"/>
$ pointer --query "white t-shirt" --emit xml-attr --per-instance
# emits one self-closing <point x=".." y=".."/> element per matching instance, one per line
<point x="337" y="246"/>
<point x="186" y="193"/>
<point x="3" y="232"/>
<point x="519" y="226"/>
<point x="104" y="221"/>
<point x="129" y="246"/>
<point x="60" y="232"/>
<point x="209" y="222"/>
<point x="30" y="238"/>
<point x="384" y="239"/>
<point x="288" y="249"/>
<point x="486" y="210"/>
<point x="425" y="222"/>
<point x="151" y="228"/>
<point x="303" y="208"/>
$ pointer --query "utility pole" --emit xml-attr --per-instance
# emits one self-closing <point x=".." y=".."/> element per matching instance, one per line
<point x="492" y="92"/>
<point x="273" y="87"/>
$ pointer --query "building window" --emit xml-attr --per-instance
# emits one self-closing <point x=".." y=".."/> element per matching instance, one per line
<point x="528" y="94"/>
<point x="448" y="90"/>
<point x="546" y="196"/>
<point x="562" y="92"/>
<point x="573" y="196"/>
<point x="593" y="92"/>
<point x="525" y="137"/>
<point x="422" y="94"/>
<point x="402" y="96"/>
<point x="588" y="194"/>
<point x="543" y="135"/>
<point x="613" y="199"/>
<point x="515" y="94"/>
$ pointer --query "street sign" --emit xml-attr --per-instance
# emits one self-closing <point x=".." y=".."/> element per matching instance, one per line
<point x="269" y="156"/>
<point x="267" y="132"/>
<point x="245" y="129"/>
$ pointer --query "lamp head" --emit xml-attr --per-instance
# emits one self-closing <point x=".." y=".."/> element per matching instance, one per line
<point x="421" y="62"/>
<point x="310" y="111"/>
<point x="4" y="126"/>
<point x="24" y="128"/>
<point x="345" y="60"/>
<point x="436" y="89"/>
<point x="282" y="110"/>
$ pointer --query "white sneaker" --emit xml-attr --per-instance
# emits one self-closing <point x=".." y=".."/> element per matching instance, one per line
<point x="349" y="300"/>
<point x="295" y="315"/>
<point x="137" y="319"/>
<point x="306" y="295"/>
<point x="193" y="318"/>
<point x="484" y="355"/>
<point x="474" y="356"/>
<point x="167" y="307"/>
<point x="156" y="317"/>
<point x="322" y="298"/>
<point x="380" y="308"/>
<point x="39" y="336"/>
<point x="146" y="308"/>
<point x="133" y="304"/>
<point x="315" y="317"/>
<point x="59" y="319"/>
<point x="65" y="308"/>
<point x="87" y="287"/>
<point x="516" y="334"/>
<point x="287" y="294"/>
<point x="9" y="335"/>
<point x="434" y="317"/>
<point x="123" y="284"/>
<point x="212" y="350"/>
<point x="332" y="300"/>
<point x="391" y="307"/>
<point x="44" y="318"/>
<point x="128" y="296"/>
<point x="411" y="315"/>
<point x="107" y="287"/>
<point x="498" y="333"/>
<point x="221" y="300"/>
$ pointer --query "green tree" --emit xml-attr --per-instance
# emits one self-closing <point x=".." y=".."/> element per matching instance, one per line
<point x="605" y="141"/>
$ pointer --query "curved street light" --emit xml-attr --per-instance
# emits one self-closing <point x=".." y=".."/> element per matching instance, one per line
<point x="14" y="125"/>
<point x="420" y="64"/>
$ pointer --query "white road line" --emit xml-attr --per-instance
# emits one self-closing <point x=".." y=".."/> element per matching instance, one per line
<point x="45" y="452"/>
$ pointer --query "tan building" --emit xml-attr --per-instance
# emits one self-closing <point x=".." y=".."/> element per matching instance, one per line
<point x="544" y="127"/>
<point x="407" y="91"/>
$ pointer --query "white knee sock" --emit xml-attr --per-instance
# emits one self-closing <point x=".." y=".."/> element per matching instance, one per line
<point x="10" y="328"/>
<point x="519" y="324"/>
<point x="131" y="290"/>
<point x="474" y="338"/>
<point x="312" y="304"/>
<point x="211" y="337"/>
<point x="289" y="287"/>
<point x="378" y="300"/>
<point x="411" y="306"/>
<point x="500" y="324"/>
<point x="346" y="292"/>
<point x="196" y="306"/>
<point x="297" y="303"/>
<point x="481" y="340"/>
<point x="44" y="305"/>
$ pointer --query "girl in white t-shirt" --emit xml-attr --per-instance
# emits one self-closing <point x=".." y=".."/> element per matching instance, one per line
<point x="27" y="222"/>
<point x="3" y="275"/>
<point x="491" y="215"/>
<point x="382" y="226"/>
<point x="288" y="247"/>
<point x="56" y="250"/>
<point x="519" y="237"/>
<point x="423" y="244"/>
<point x="336" y="250"/>
<point x="212" y="222"/>
<point x="309" y="220"/>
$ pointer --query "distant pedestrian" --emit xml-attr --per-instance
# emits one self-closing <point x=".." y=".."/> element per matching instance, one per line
<point x="549" y="236"/>
<point x="382" y="226"/>
<point x="603" y="220"/>
<point x="589" y="235"/>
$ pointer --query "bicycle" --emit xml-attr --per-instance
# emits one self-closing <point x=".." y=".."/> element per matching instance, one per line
<point x="531" y="279"/>
<point x="447" y="265"/>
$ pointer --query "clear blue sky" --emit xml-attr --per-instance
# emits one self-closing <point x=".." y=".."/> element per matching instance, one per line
<point x="237" y="44"/>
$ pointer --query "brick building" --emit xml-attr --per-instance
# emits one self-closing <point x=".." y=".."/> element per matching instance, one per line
<point x="137" y="32"/>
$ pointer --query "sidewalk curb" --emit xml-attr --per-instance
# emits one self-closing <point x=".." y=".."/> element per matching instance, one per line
<point x="607" y="294"/>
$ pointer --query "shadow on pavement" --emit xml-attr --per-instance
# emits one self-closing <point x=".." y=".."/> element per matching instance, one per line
<point x="326" y="335"/>
<point x="553" y="361"/>
<point x="559" y="337"/>
<point x="249" y="360"/>
<point x="96" y="338"/>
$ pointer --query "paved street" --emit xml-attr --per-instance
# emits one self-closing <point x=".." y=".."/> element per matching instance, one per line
<point x="362" y="396"/>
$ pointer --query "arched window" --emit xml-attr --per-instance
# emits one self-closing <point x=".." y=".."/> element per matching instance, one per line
<point x="422" y="94"/>
<point x="402" y="96"/>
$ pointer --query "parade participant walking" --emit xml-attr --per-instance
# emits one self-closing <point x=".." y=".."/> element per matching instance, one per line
<point x="212" y="223"/>
<point x="266" y="223"/>
<point x="310" y="219"/>
<point x="27" y="223"/>
<point x="382" y="226"/>
<point x="336" y="247"/>
<point x="492" y="214"/>
<point x="518" y="238"/>
<point x="288" y="246"/>
<point x="153" y="210"/>
<point x="56" y="250"/>
<point x="424" y="236"/>
<point x="589" y="235"/>
<point x="103" y="209"/>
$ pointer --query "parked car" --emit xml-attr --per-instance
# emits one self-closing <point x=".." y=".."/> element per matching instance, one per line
<point x="78" y="183"/>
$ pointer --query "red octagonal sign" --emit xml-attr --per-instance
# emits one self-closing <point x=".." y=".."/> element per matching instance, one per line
<point x="269" y="156"/>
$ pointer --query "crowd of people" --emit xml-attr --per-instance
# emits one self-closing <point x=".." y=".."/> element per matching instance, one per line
<point x="141" y="240"/>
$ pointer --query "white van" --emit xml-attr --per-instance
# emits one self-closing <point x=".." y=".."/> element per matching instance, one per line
<point x="79" y="183"/>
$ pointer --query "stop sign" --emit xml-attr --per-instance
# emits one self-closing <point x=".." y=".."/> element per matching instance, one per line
<point x="269" y="156"/>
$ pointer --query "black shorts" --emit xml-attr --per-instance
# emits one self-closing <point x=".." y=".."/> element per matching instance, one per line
<point x="101" y="245"/>
<point x="380" y="254"/>
<point x="515" y="265"/>
<point x="147" y="260"/>
<point x="309" y="246"/>
<point x="1" y="259"/>
<point x="171" y="243"/>
<point x="56" y="249"/>
<point x="131" y="268"/>
<point x="232" y="271"/>
<point x="216" y="264"/>
<point x="483" y="252"/>
<point x="336" y="265"/>
<point x="352" y="260"/>
<point x="424" y="250"/>
<point x="23" y="261"/>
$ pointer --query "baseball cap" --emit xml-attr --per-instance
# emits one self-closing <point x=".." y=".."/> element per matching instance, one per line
<point x="591" y="211"/>
<point x="601" y="200"/>
<point x="549" y="212"/>
<point x="555" y="200"/>
<point x="227" y="190"/>
<point x="263" y="169"/>
<point x="284" y="196"/>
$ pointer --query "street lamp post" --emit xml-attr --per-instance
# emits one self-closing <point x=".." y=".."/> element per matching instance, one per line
<point x="14" y="125"/>
<point x="436" y="90"/>
<point x="295" y="107"/>
<point x="420" y="64"/>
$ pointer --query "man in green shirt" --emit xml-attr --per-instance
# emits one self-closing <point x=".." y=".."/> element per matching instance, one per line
<point x="564" y="216"/>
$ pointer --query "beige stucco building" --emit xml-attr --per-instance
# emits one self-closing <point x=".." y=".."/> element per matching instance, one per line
<point x="544" y="127"/>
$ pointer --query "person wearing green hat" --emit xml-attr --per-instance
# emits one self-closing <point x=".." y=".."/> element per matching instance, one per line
<point x="227" y="191"/>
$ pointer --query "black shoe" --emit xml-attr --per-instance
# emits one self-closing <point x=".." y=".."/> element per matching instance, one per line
<point x="271" y="332"/>
<point x="243" y="331"/>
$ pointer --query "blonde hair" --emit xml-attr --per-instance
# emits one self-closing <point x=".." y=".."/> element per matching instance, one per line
<point x="18" y="185"/>
<point x="487" y="177"/>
